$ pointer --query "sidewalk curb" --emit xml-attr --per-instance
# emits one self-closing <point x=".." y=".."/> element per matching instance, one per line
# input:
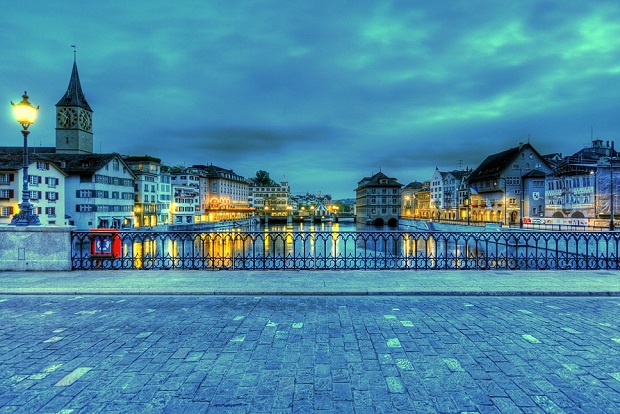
<point x="313" y="293"/>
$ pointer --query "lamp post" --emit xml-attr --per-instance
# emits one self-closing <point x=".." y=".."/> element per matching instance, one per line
<point x="468" y="205"/>
<point x="25" y="114"/>
<point x="593" y="173"/>
<point x="522" y="199"/>
<point x="612" y="227"/>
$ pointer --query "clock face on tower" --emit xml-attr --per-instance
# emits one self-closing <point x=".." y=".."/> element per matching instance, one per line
<point x="67" y="117"/>
<point x="86" y="122"/>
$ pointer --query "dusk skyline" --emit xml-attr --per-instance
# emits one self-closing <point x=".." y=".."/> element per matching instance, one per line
<point x="320" y="94"/>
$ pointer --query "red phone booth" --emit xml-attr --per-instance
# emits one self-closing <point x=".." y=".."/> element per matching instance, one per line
<point x="105" y="244"/>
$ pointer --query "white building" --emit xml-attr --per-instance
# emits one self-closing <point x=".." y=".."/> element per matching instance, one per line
<point x="164" y="197"/>
<point x="149" y="207"/>
<point x="185" y="206"/>
<point x="224" y="194"/>
<point x="447" y="195"/>
<point x="275" y="198"/>
<point x="99" y="190"/>
<point x="46" y="186"/>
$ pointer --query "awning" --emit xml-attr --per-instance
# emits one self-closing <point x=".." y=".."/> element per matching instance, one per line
<point x="231" y="209"/>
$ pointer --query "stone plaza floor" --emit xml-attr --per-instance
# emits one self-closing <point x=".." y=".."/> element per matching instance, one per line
<point x="298" y="354"/>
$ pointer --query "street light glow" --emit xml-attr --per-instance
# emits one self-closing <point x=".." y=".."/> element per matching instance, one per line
<point x="24" y="112"/>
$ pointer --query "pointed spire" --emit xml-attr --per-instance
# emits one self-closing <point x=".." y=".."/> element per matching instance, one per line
<point x="74" y="95"/>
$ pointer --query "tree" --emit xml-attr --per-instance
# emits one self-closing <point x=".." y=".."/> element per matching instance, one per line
<point x="263" y="179"/>
<point x="342" y="206"/>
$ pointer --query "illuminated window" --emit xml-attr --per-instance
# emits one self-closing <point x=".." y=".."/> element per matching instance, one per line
<point x="6" y="211"/>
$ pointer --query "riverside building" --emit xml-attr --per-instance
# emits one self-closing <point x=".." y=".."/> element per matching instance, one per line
<point x="508" y="186"/>
<point x="149" y="207"/>
<point x="446" y="197"/>
<point x="224" y="194"/>
<point x="580" y="186"/>
<point x="272" y="200"/>
<point x="185" y="205"/>
<point x="378" y="200"/>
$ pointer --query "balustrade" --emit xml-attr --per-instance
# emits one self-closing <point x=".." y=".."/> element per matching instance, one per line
<point x="324" y="250"/>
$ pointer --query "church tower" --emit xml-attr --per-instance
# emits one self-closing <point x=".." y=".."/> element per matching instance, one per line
<point x="74" y="125"/>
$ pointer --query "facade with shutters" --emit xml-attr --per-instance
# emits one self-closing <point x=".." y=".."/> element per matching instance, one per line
<point x="46" y="187"/>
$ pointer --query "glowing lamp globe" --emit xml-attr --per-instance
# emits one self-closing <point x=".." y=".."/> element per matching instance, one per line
<point x="24" y="112"/>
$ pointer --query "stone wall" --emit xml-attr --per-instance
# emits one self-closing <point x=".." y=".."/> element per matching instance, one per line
<point x="35" y="248"/>
<point x="430" y="225"/>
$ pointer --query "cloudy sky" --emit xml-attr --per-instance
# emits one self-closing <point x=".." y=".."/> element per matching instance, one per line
<point x="320" y="93"/>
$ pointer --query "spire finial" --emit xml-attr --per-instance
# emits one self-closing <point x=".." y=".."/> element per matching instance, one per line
<point x="74" y="52"/>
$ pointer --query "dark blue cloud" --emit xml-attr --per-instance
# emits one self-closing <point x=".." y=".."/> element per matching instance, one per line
<point x="321" y="93"/>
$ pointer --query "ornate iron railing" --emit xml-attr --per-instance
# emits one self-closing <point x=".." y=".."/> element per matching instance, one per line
<point x="345" y="250"/>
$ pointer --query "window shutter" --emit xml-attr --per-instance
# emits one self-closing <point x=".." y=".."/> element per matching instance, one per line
<point x="38" y="192"/>
<point x="11" y="177"/>
<point x="47" y="180"/>
<point x="11" y="210"/>
<point x="11" y="193"/>
<point x="39" y="178"/>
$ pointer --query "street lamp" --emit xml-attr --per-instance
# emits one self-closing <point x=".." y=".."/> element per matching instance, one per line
<point x="522" y="199"/>
<point x="25" y="114"/>
<point x="593" y="173"/>
<point x="612" y="227"/>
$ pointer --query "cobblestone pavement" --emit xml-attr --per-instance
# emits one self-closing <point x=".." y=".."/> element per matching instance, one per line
<point x="344" y="354"/>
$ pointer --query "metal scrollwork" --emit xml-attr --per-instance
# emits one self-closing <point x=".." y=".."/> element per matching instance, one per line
<point x="289" y="250"/>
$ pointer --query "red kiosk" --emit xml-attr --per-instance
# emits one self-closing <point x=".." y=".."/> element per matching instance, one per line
<point x="105" y="244"/>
